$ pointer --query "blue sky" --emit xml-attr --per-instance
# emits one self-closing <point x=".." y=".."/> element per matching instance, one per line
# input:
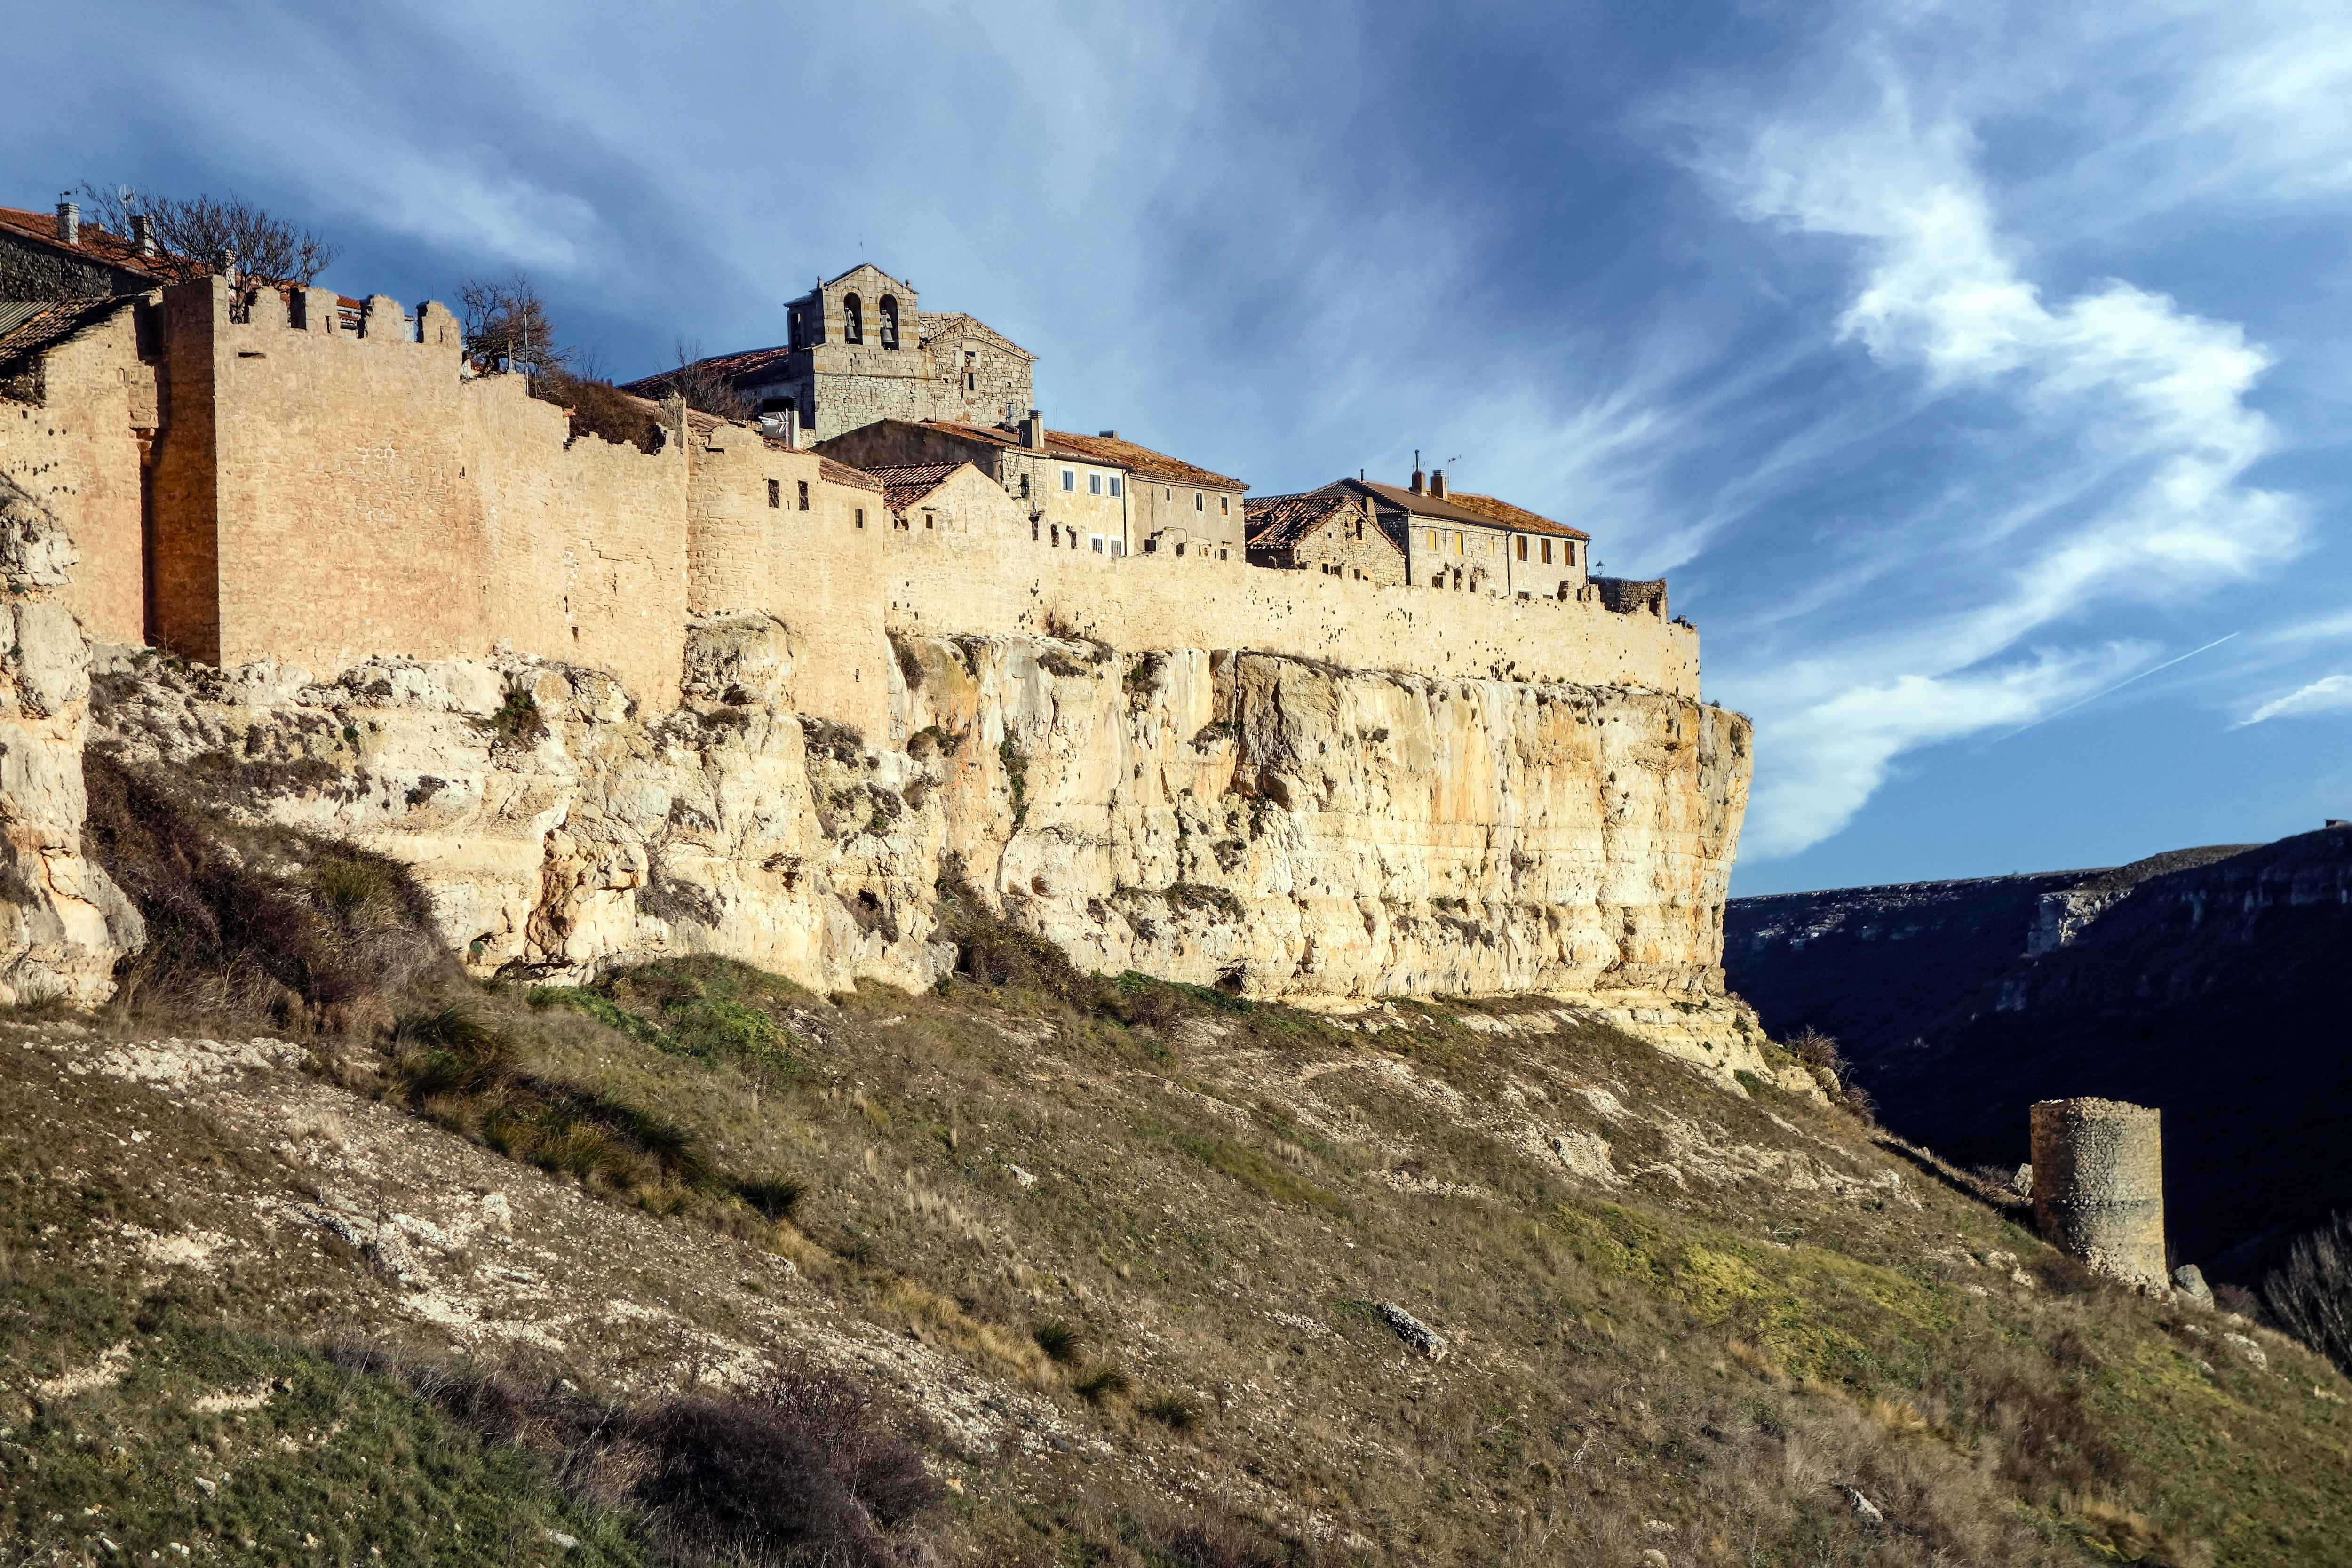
<point x="1958" y="364"/>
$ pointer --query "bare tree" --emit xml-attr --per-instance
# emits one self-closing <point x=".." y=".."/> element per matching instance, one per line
<point x="706" y="391"/>
<point x="2311" y="1295"/>
<point x="507" y="327"/>
<point x="194" y="236"/>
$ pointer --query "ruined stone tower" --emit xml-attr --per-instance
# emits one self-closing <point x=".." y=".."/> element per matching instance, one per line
<point x="2098" y="1185"/>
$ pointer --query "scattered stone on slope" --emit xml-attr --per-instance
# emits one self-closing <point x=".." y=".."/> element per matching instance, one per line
<point x="2189" y="1282"/>
<point x="1419" y="1336"/>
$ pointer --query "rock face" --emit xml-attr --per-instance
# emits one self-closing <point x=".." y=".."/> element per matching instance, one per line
<point x="2206" y="983"/>
<point x="63" y="922"/>
<point x="1262" y="823"/>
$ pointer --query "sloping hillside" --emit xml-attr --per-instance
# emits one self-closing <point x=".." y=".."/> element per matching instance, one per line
<point x="2204" y="982"/>
<point x="677" y="1268"/>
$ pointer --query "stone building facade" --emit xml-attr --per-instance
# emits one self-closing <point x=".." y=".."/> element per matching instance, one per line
<point x="52" y="256"/>
<point x="1097" y="493"/>
<point x="1332" y="532"/>
<point x="859" y="349"/>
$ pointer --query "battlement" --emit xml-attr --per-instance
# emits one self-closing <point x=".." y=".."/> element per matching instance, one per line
<point x="295" y="475"/>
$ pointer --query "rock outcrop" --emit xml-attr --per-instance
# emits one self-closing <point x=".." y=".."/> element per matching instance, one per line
<point x="1266" y="824"/>
<point x="63" y="922"/>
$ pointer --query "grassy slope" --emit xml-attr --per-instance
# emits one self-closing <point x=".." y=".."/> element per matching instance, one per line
<point x="1223" y="1196"/>
<point x="1177" y="1217"/>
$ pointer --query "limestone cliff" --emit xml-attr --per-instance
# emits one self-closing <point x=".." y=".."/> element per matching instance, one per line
<point x="62" y="922"/>
<point x="1262" y="823"/>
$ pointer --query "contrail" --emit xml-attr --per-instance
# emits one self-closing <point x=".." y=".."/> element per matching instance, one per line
<point x="2094" y="696"/>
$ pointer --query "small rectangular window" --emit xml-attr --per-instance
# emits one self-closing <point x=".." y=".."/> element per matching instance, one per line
<point x="1119" y="547"/>
<point x="803" y="494"/>
<point x="1069" y="478"/>
<point x="971" y="382"/>
<point x="1547" y="552"/>
<point x="861" y="517"/>
<point x="1199" y="502"/>
<point x="775" y="493"/>
<point x="1025" y="486"/>
<point x="1094" y="484"/>
<point x="1114" y="484"/>
<point x="1094" y="542"/>
<point x="1523" y="547"/>
<point x="1429" y="538"/>
<point x="1458" y="542"/>
<point x="1225" y="505"/>
<point x="930" y="521"/>
<point x="1033" y="528"/>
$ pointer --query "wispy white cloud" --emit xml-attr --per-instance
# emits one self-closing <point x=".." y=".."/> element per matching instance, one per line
<point x="2124" y="478"/>
<point x="2328" y="694"/>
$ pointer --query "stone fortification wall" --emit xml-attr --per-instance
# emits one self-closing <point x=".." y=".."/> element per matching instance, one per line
<point x="997" y="585"/>
<point x="74" y="446"/>
<point x="2098" y="1185"/>
<point x="823" y="570"/>
<point x="323" y="496"/>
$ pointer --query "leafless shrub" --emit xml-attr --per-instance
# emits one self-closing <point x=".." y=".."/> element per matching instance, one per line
<point x="192" y="233"/>
<point x="2311" y="1297"/>
<point x="704" y="388"/>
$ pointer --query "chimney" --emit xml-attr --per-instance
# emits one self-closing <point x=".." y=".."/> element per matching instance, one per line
<point x="69" y="223"/>
<point x="1437" y="483"/>
<point x="1107" y="435"/>
<point x="1032" y="430"/>
<point x="225" y="262"/>
<point x="143" y="234"/>
<point x="1416" y="473"/>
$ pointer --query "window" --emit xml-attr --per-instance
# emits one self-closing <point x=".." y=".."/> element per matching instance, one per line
<point x="1057" y="536"/>
<point x="1069" y="478"/>
<point x="1179" y="550"/>
<point x="930" y="520"/>
<point x="1546" y="553"/>
<point x="1024" y="487"/>
<point x="861" y="517"/>
<point x="1094" y="542"/>
<point x="1225" y="505"/>
<point x="803" y="494"/>
<point x="1033" y="528"/>
<point x="1119" y="547"/>
<point x="776" y="492"/>
<point x="889" y="321"/>
<point x="1429" y="539"/>
<point x="971" y="382"/>
<point x="1523" y="547"/>
<point x="1199" y="502"/>
<point x="1168" y="492"/>
<point x="853" y="319"/>
<point x="1458" y="542"/>
<point x="1221" y="554"/>
<point x="1094" y="484"/>
<point x="1114" y="484"/>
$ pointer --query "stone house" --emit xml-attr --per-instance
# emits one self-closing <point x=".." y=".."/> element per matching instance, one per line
<point x="1098" y="494"/>
<point x="55" y="256"/>
<point x="858" y="349"/>
<point x="1331" y="530"/>
<point x="1448" y="540"/>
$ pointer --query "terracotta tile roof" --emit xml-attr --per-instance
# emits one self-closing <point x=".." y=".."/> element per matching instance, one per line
<point x="1107" y="451"/>
<point x="1512" y="517"/>
<point x="1281" y="523"/>
<point x="834" y="473"/>
<point x="747" y="365"/>
<point x="27" y="330"/>
<point x="905" y="484"/>
<point x="96" y="245"/>
<point x="1484" y="511"/>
